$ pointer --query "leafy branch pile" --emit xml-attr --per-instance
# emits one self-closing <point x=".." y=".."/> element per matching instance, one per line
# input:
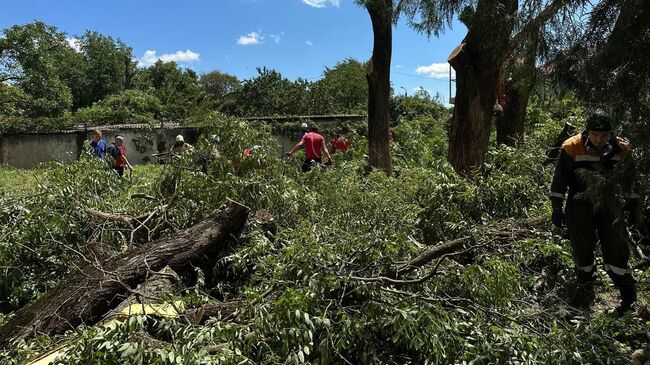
<point x="321" y="286"/>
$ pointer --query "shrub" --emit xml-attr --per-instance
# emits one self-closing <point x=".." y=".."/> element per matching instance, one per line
<point x="129" y="106"/>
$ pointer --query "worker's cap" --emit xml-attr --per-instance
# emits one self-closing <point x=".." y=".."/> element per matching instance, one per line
<point x="303" y="125"/>
<point x="599" y="122"/>
<point x="119" y="138"/>
<point x="179" y="138"/>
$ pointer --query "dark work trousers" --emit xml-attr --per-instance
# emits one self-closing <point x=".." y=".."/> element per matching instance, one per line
<point x="586" y="228"/>
<point x="306" y="166"/>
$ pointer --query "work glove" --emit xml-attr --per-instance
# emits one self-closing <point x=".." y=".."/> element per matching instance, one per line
<point x="558" y="218"/>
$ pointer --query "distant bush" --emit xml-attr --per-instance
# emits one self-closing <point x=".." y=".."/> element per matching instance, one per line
<point x="404" y="107"/>
<point x="130" y="106"/>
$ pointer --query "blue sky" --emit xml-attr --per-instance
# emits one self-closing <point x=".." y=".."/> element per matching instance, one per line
<point x="298" y="38"/>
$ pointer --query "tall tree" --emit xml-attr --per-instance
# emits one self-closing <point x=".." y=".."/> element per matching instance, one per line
<point x="36" y="58"/>
<point x="215" y="85"/>
<point x="477" y="62"/>
<point x="270" y="93"/>
<point x="343" y="89"/>
<point x="542" y="26"/>
<point x="382" y="15"/>
<point x="609" y="68"/>
<point x="519" y="81"/>
<point x="109" y="66"/>
<point x="177" y="89"/>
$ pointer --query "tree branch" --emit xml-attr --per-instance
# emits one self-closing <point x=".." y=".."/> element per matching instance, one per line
<point x="537" y="22"/>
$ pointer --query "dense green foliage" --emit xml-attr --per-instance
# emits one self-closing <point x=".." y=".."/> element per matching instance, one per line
<point x="129" y="106"/>
<point x="49" y="81"/>
<point x="303" y="297"/>
<point x="316" y="290"/>
<point x="59" y="81"/>
<point x="343" y="89"/>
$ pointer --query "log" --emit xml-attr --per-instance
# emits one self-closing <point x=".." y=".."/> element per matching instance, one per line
<point x="92" y="288"/>
<point x="160" y="283"/>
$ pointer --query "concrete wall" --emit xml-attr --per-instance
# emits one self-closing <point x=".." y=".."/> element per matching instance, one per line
<point x="155" y="141"/>
<point x="29" y="150"/>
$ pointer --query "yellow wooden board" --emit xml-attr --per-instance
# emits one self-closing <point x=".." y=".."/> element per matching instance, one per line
<point x="167" y="310"/>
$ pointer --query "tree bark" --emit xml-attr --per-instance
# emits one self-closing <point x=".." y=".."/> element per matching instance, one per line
<point x="165" y="282"/>
<point x="510" y="126"/>
<point x="477" y="64"/>
<point x="378" y="76"/>
<point x="94" y="287"/>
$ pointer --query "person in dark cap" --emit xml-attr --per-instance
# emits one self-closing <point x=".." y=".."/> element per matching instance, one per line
<point x="598" y="151"/>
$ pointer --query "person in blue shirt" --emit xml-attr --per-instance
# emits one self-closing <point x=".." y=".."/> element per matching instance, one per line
<point x="301" y="133"/>
<point x="98" y="144"/>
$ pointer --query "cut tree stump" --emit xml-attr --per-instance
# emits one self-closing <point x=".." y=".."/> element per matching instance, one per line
<point x="92" y="288"/>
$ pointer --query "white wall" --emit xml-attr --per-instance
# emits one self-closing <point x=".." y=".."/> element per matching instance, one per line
<point x="27" y="151"/>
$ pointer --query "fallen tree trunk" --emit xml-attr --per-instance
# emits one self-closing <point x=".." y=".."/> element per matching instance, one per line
<point x="160" y="283"/>
<point x="93" y="288"/>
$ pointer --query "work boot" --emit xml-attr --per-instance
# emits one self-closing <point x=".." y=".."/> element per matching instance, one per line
<point x="628" y="297"/>
<point x="584" y="295"/>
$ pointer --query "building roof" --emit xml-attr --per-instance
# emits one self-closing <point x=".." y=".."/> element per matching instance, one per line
<point x="314" y="118"/>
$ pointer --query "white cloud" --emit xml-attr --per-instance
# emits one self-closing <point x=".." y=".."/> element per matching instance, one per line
<point x="277" y="37"/>
<point x="150" y="57"/>
<point x="74" y="43"/>
<point x="434" y="70"/>
<point x="398" y="66"/>
<point x="421" y="89"/>
<point x="322" y="3"/>
<point x="250" y="39"/>
<point x="309" y="43"/>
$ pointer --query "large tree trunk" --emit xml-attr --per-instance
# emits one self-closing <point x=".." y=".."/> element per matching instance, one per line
<point x="477" y="67"/>
<point x="96" y="286"/>
<point x="510" y="126"/>
<point x="378" y="76"/>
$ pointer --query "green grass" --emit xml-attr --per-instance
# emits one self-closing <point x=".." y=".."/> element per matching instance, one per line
<point x="17" y="181"/>
<point x="144" y="177"/>
<point x="21" y="181"/>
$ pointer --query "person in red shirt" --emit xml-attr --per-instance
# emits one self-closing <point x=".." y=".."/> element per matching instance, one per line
<point x="314" y="148"/>
<point x="340" y="143"/>
<point x="117" y="151"/>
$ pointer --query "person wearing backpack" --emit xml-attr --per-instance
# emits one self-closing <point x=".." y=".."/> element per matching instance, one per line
<point x="117" y="151"/>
